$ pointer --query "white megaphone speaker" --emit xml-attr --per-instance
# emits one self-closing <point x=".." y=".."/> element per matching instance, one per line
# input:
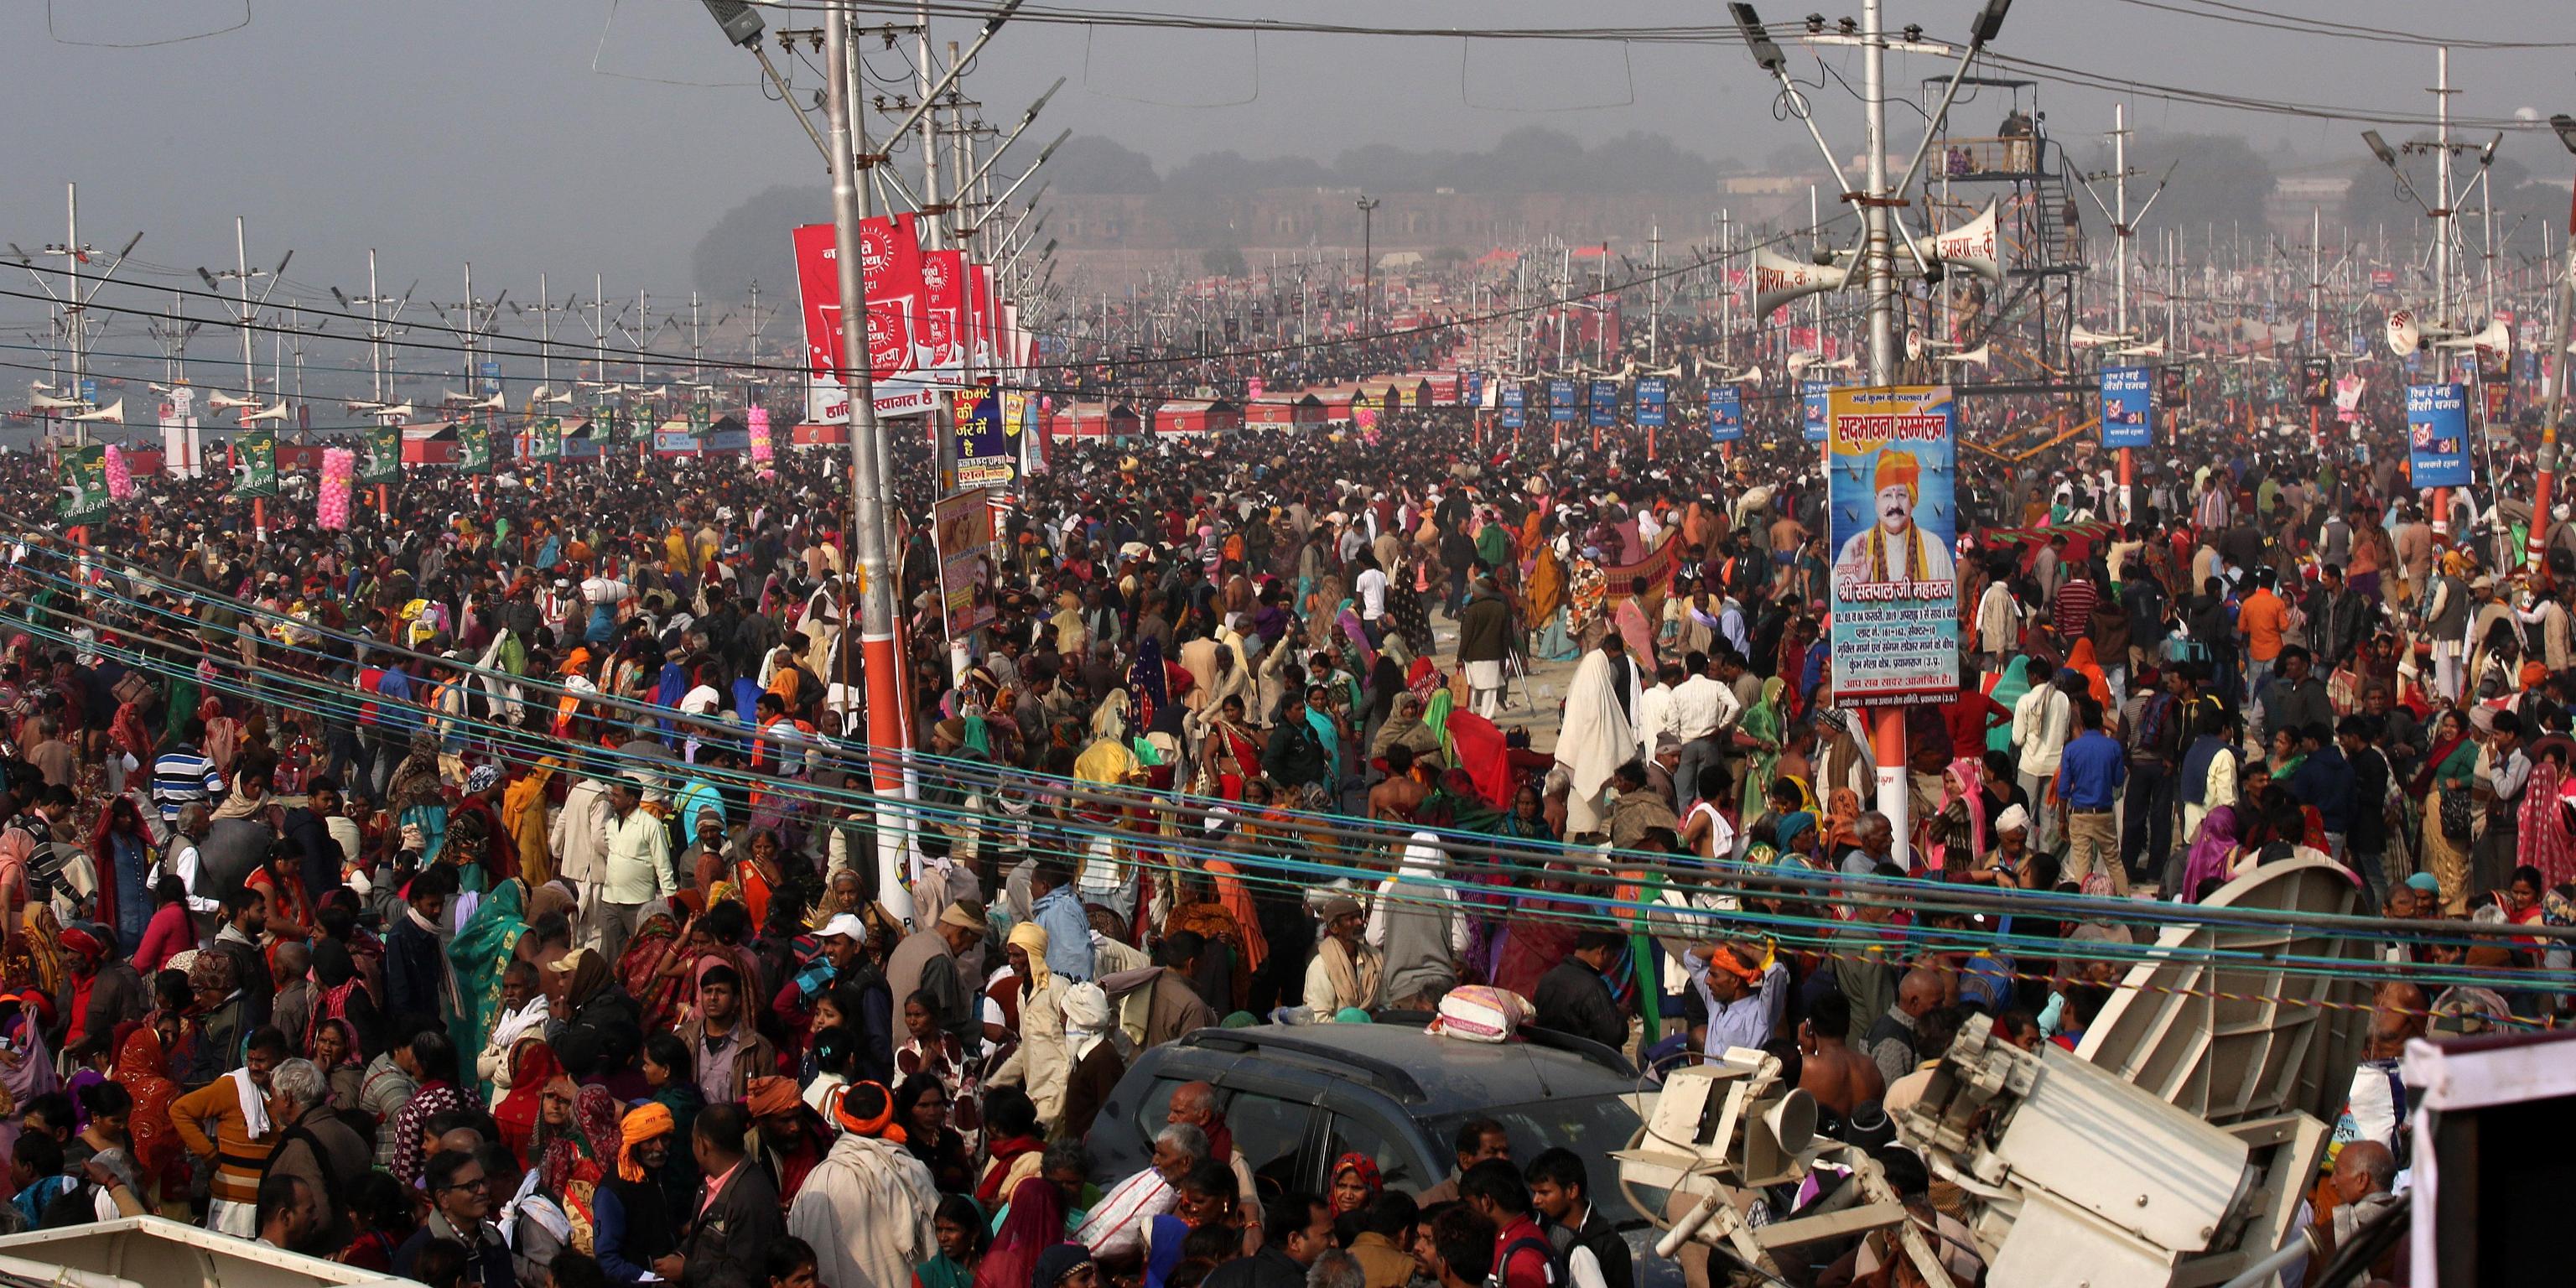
<point x="2151" y="349"/>
<point x="1801" y="361"/>
<point x="2084" y="339"/>
<point x="564" y="398"/>
<point x="451" y="398"/>
<point x="1914" y="346"/>
<point x="40" y="386"/>
<point x="1970" y="246"/>
<point x="362" y="405"/>
<point x="47" y="402"/>
<point x="2497" y="336"/>
<point x="2403" y="335"/>
<point x="112" y="411"/>
<point x="1977" y="357"/>
<point x="1778" y="279"/>
<point x="404" y="409"/>
<point x="221" y="401"/>
<point x="1748" y="376"/>
<point x="277" y="412"/>
<point x="540" y="393"/>
<point x="493" y="403"/>
<point x="657" y="391"/>
<point x="1842" y="364"/>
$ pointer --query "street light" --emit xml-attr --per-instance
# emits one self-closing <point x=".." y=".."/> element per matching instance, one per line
<point x="1368" y="261"/>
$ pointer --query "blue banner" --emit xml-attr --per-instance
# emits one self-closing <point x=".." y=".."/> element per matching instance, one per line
<point x="491" y="374"/>
<point x="1605" y="403"/>
<point x="1812" y="393"/>
<point x="1515" y="404"/>
<point x="1475" y="391"/>
<point x="1560" y="400"/>
<point x="2128" y="416"/>
<point x="1725" y="414"/>
<point x="1650" y="400"/>
<point x="2437" y="434"/>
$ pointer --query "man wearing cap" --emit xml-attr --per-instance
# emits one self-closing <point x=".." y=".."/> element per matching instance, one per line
<point x="930" y="961"/>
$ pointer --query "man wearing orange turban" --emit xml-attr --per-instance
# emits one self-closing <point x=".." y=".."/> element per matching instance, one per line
<point x="1893" y="549"/>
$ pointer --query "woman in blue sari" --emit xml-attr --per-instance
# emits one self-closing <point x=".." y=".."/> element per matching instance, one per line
<point x="482" y="950"/>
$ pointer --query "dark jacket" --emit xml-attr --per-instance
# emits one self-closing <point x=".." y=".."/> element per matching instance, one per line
<point x="414" y="968"/>
<point x="1602" y="1238"/>
<point x="321" y="863"/>
<point x="632" y="1227"/>
<point x="733" y="1234"/>
<point x="1484" y="629"/>
<point x="491" y="1266"/>
<point x="1268" y="1268"/>
<point x="1572" y="999"/>
<point x="1296" y="756"/>
<point x="329" y="1155"/>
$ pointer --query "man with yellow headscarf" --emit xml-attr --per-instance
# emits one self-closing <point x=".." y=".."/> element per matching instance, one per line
<point x="1043" y="1062"/>
<point x="1894" y="549"/>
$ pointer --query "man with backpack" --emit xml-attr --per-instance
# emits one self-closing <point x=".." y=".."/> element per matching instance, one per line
<point x="1523" y="1256"/>
<point x="2151" y="731"/>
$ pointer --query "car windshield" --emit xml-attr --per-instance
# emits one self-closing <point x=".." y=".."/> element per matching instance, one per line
<point x="1591" y="1126"/>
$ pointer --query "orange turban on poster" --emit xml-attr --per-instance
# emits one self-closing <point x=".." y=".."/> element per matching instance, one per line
<point x="1898" y="469"/>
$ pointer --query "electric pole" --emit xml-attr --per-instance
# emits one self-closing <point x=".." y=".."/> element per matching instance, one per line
<point x="71" y="303"/>
<point x="241" y="275"/>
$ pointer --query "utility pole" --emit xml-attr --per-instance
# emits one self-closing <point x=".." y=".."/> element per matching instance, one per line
<point x="546" y="327"/>
<point x="72" y="301"/>
<point x="171" y="333"/>
<point x="1654" y="289"/>
<point x="241" y="275"/>
<point x="1368" y="262"/>
<point x="380" y="325"/>
<point x="2562" y="331"/>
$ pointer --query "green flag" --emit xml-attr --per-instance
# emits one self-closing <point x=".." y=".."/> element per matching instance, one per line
<point x="474" y="447"/>
<point x="255" y="463"/>
<point x="84" y="482"/>
<point x="545" y="440"/>
<point x="381" y="462"/>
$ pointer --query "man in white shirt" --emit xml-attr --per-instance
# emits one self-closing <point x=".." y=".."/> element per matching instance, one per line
<point x="1369" y="588"/>
<point x="1655" y="709"/>
<point x="2042" y="721"/>
<point x="1117" y="1223"/>
<point x="1704" y="707"/>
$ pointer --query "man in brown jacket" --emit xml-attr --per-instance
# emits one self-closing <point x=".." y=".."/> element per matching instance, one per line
<point x="728" y="1051"/>
<point x="244" y="1132"/>
<point x="320" y="1148"/>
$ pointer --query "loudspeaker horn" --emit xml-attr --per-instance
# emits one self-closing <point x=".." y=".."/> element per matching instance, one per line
<point x="404" y="409"/>
<point x="1979" y="356"/>
<point x="112" y="411"/>
<point x="221" y="401"/>
<point x="2403" y="335"/>
<point x="1778" y="279"/>
<point x="1749" y="376"/>
<point x="47" y="402"/>
<point x="277" y="412"/>
<point x="1971" y="246"/>
<point x="2151" y="349"/>
<point x="2084" y="339"/>
<point x="2496" y="336"/>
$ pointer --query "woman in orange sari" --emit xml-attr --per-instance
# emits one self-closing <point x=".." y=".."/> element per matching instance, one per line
<point x="142" y="1068"/>
<point x="2080" y="660"/>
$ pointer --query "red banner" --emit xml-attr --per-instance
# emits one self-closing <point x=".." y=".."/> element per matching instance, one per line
<point x="979" y="307"/>
<point x="943" y="308"/>
<point x="892" y="261"/>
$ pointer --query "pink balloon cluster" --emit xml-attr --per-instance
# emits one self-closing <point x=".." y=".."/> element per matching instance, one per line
<point x="339" y="472"/>
<point x="120" y="476"/>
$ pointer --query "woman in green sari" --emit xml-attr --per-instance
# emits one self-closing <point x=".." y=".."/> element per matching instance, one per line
<point x="2008" y="690"/>
<point x="482" y="950"/>
<point x="1765" y="725"/>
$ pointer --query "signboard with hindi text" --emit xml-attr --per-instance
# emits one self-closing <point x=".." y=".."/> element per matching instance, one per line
<point x="2128" y="418"/>
<point x="2437" y="435"/>
<point x="84" y="482"/>
<point x="255" y="463"/>
<point x="1890" y="457"/>
<point x="1725" y="414"/>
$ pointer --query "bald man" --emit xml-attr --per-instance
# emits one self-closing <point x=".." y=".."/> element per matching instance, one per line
<point x="2363" y="1187"/>
<point x="1889" y="1042"/>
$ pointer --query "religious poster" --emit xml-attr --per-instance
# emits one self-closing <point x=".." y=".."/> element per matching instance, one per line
<point x="1889" y="457"/>
<point x="962" y="531"/>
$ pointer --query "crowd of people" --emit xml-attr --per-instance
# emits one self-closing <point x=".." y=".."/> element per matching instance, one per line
<point x="488" y="891"/>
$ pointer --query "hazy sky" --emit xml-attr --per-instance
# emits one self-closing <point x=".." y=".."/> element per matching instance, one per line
<point x="473" y="128"/>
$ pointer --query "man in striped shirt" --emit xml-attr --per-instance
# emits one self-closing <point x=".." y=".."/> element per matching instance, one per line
<point x="183" y="774"/>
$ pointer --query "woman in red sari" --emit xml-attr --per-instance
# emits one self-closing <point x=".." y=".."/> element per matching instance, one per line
<point x="533" y="1068"/>
<point x="651" y="968"/>
<point x="142" y="1068"/>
